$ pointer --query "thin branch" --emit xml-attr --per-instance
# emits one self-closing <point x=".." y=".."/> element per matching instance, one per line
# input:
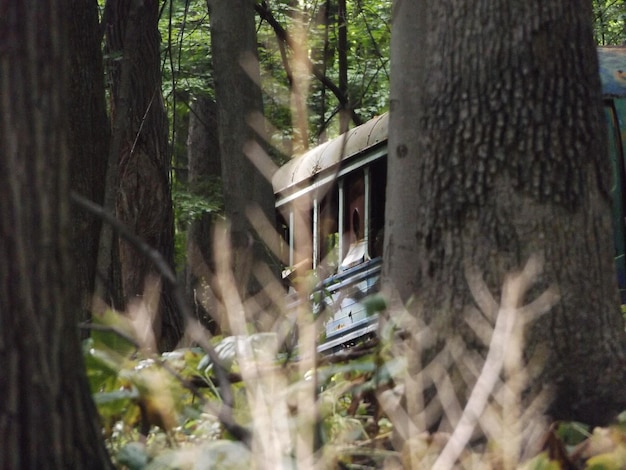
<point x="264" y="12"/>
<point x="163" y="267"/>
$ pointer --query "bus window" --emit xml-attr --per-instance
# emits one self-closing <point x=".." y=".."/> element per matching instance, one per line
<point x="353" y="242"/>
<point x="378" y="186"/>
<point x="356" y="224"/>
<point x="354" y="187"/>
<point x="284" y="252"/>
<point x="328" y="228"/>
<point x="295" y="224"/>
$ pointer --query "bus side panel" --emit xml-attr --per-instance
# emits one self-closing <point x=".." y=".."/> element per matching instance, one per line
<point x="615" y="112"/>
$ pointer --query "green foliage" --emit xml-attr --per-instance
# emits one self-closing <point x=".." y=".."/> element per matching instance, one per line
<point x="185" y="30"/>
<point x="541" y="462"/>
<point x="191" y="202"/>
<point x="175" y="398"/>
<point x="572" y="433"/>
<point x="609" y="22"/>
<point x="191" y="206"/>
<point x="187" y="71"/>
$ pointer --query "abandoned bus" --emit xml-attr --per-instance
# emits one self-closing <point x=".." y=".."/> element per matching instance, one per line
<point x="331" y="201"/>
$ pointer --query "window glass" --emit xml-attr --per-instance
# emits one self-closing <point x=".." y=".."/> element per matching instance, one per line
<point x="329" y="232"/>
<point x="378" y="185"/>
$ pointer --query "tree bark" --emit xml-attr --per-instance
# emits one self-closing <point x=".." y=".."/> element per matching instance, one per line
<point x="204" y="169"/>
<point x="89" y="133"/>
<point x="497" y="153"/>
<point x="139" y="143"/>
<point x="47" y="417"/>
<point x="239" y="102"/>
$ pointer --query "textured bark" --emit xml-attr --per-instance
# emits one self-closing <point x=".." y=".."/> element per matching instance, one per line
<point x="204" y="168"/>
<point x="47" y="418"/>
<point x="88" y="140"/>
<point x="139" y="142"/>
<point x="239" y="101"/>
<point x="505" y="151"/>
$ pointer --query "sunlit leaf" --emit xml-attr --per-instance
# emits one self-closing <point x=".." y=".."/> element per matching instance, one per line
<point x="541" y="462"/>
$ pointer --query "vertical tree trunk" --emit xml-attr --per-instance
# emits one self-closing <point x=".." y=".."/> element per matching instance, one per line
<point x="342" y="52"/>
<point x="409" y="29"/>
<point x="88" y="140"/>
<point x="505" y="152"/>
<point x="139" y="142"/>
<point x="204" y="169"/>
<point x="239" y="101"/>
<point x="324" y="19"/>
<point x="47" y="418"/>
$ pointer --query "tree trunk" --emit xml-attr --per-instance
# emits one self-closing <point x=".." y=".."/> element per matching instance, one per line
<point x="342" y="53"/>
<point x="139" y="142"/>
<point x="204" y="171"/>
<point x="47" y="417"/>
<point x="88" y="140"/>
<point x="497" y="153"/>
<point x="239" y="102"/>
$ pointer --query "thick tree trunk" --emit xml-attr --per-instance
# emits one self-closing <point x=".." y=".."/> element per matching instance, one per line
<point x="239" y="102"/>
<point x="501" y="158"/>
<point x="88" y="140"/>
<point x="47" y="418"/>
<point x="140" y="143"/>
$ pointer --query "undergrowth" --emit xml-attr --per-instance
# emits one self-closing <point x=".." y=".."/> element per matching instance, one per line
<point x="248" y="401"/>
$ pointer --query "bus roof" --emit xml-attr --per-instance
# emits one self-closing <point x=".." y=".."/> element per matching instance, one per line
<point x="289" y="177"/>
<point x="330" y="154"/>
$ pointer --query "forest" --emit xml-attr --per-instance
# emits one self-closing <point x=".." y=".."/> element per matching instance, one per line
<point x="158" y="311"/>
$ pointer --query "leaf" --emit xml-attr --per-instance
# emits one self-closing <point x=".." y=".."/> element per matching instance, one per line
<point x="615" y="460"/>
<point x="572" y="433"/>
<point x="113" y="404"/>
<point x="375" y="304"/>
<point x="342" y="429"/>
<point x="541" y="462"/>
<point x="117" y="333"/>
<point x="103" y="366"/>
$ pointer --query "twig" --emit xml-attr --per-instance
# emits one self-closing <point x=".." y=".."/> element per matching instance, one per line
<point x="162" y="266"/>
<point x="265" y="13"/>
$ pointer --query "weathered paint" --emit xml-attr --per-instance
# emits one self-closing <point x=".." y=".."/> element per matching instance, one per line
<point x="612" y="61"/>
<point x="329" y="155"/>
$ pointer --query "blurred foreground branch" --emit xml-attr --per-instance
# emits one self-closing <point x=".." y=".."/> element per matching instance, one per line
<point x="509" y="323"/>
<point x="225" y="414"/>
